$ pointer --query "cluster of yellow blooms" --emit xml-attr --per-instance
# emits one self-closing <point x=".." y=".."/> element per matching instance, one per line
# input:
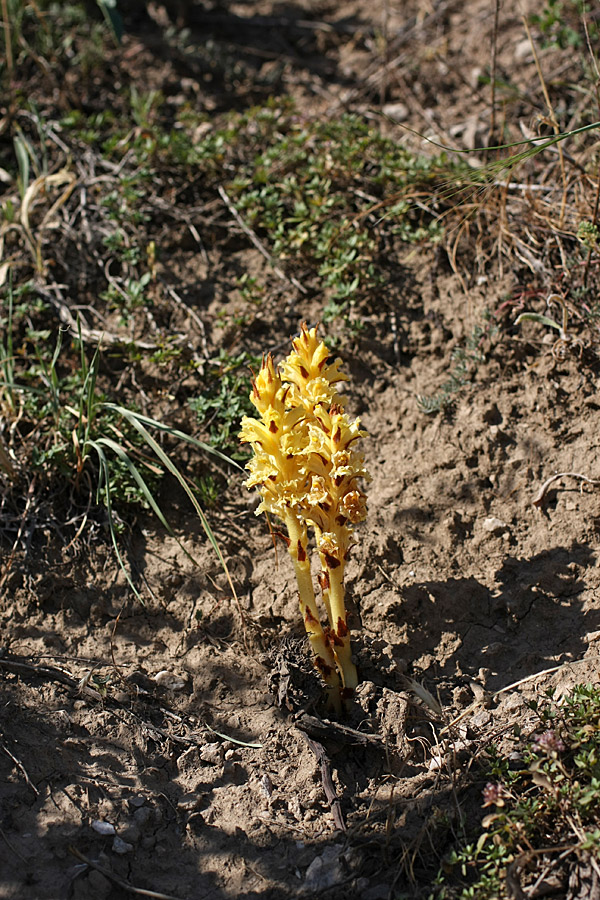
<point x="306" y="469"/>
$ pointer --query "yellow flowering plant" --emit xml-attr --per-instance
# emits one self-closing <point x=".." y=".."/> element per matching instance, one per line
<point x="307" y="470"/>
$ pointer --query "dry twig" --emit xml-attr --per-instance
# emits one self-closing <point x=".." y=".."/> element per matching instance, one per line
<point x="121" y="882"/>
<point x="328" y="785"/>
<point x="257" y="243"/>
<point x="538" y="500"/>
<point x="20" y="766"/>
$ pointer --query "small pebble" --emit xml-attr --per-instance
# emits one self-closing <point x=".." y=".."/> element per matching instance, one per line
<point x="266" y="785"/>
<point x="212" y="753"/>
<point x="188" y="802"/>
<point x="120" y="846"/>
<point x="494" y="525"/>
<point x="481" y="718"/>
<point x="142" y="815"/>
<point x="170" y="681"/>
<point x="132" y="834"/>
<point x="105" y="828"/>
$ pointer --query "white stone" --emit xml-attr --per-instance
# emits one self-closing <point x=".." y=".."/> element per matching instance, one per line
<point x="101" y="827"/>
<point x="494" y="525"/>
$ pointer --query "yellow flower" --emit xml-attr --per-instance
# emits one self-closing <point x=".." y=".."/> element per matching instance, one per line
<point x="266" y="386"/>
<point x="354" y="506"/>
<point x="306" y="469"/>
<point x="318" y="491"/>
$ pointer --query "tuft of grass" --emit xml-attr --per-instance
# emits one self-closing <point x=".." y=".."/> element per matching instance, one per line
<point x="65" y="429"/>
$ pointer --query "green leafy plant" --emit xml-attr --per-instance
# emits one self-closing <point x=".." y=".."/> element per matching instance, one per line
<point x="465" y="358"/>
<point x="544" y="812"/>
<point x="314" y="209"/>
<point x="560" y="23"/>
<point x="225" y="399"/>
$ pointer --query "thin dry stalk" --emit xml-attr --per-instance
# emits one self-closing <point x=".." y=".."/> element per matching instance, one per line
<point x="551" y="116"/>
<point x="7" y="39"/>
<point x="492" y="131"/>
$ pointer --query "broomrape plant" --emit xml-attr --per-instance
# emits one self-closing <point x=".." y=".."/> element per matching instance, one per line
<point x="306" y="470"/>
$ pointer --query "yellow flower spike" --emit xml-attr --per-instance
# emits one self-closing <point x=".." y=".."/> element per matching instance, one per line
<point x="306" y="468"/>
<point x="265" y="386"/>
<point x="308" y="372"/>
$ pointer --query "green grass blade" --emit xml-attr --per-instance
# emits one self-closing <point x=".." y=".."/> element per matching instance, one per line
<point x="134" y="419"/>
<point x="539" y="318"/>
<point x="142" y="484"/>
<point x="173" y="432"/>
<point x="136" y="474"/>
<point x="104" y="483"/>
<point x="88" y="399"/>
<point x="148" y="495"/>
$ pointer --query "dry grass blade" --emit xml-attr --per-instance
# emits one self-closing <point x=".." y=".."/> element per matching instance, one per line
<point x="35" y="189"/>
<point x="6" y="462"/>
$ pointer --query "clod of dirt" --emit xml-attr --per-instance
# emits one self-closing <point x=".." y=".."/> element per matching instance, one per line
<point x="392" y="710"/>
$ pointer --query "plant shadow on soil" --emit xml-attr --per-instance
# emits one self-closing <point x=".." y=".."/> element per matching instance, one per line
<point x="529" y="621"/>
<point x="243" y="60"/>
<point x="107" y="762"/>
<point x="101" y="758"/>
<point x="70" y="798"/>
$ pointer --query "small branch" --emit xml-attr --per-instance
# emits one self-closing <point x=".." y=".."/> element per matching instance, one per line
<point x="328" y="786"/>
<point x="50" y="673"/>
<point x="257" y="243"/>
<point x="21" y="767"/>
<point x="538" y="500"/>
<point x="126" y="885"/>
<point x="492" y="131"/>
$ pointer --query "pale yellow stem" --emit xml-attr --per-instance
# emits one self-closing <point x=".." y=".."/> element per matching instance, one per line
<point x="298" y="548"/>
<point x="341" y="633"/>
<point x="325" y="582"/>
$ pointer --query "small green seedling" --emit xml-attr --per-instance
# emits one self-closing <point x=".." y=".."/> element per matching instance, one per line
<point x="566" y="341"/>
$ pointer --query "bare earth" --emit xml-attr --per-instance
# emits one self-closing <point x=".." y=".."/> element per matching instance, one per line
<point x="170" y="744"/>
